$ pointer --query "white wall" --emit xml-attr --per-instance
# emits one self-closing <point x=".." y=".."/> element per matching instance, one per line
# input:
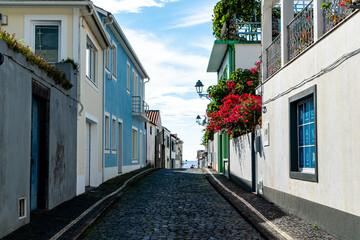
<point x="240" y="157"/>
<point x="246" y="55"/>
<point x="338" y="118"/>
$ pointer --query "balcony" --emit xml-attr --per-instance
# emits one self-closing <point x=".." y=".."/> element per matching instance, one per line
<point x="245" y="32"/>
<point x="139" y="107"/>
<point x="312" y="21"/>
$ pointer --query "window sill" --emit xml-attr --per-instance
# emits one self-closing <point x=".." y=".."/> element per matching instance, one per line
<point x="113" y="152"/>
<point x="304" y="176"/>
<point x="128" y="91"/>
<point x="107" y="151"/>
<point x="134" y="161"/>
<point x="92" y="84"/>
<point x="114" y="78"/>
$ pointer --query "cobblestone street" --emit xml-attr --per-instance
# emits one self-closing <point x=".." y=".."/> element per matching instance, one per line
<point x="172" y="204"/>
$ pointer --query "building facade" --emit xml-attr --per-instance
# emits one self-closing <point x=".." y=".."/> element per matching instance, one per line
<point x="38" y="142"/>
<point x="125" y="107"/>
<point x="309" y="124"/>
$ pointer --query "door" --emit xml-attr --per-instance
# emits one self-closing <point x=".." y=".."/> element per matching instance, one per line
<point x="120" y="146"/>
<point x="87" y="153"/>
<point x="34" y="175"/>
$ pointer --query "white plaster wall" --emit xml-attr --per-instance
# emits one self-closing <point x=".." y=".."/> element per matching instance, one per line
<point x="150" y="145"/>
<point x="91" y="99"/>
<point x="338" y="132"/>
<point x="246" y="55"/>
<point x="240" y="157"/>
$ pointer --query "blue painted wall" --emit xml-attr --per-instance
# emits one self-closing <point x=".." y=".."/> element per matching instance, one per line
<point x="118" y="103"/>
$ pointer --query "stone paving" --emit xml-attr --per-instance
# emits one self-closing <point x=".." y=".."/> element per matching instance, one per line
<point x="172" y="204"/>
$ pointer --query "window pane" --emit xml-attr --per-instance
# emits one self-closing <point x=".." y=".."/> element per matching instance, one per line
<point x="301" y="114"/>
<point x="312" y="157"/>
<point x="307" y="112"/>
<point x="301" y="157"/>
<point x="312" y="134"/>
<point x="307" y="134"/>
<point x="307" y="157"/>
<point x="301" y="136"/>
<point x="312" y="116"/>
<point x="47" y="42"/>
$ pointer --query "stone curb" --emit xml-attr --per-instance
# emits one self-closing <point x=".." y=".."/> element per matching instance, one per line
<point x="79" y="229"/>
<point x="246" y="213"/>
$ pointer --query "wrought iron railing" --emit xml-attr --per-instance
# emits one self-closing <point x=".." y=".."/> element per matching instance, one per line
<point x="248" y="31"/>
<point x="273" y="56"/>
<point x="301" y="31"/>
<point x="139" y="106"/>
<point x="334" y="12"/>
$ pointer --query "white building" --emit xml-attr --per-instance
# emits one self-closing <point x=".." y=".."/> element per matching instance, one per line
<point x="310" y="163"/>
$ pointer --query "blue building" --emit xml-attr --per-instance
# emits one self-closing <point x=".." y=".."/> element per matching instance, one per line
<point x="124" y="106"/>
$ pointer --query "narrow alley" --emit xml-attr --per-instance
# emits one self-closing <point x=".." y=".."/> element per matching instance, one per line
<point x="172" y="204"/>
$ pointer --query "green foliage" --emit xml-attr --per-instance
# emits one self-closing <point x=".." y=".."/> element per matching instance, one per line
<point x="52" y="72"/>
<point x="245" y="10"/>
<point x="72" y="62"/>
<point x="245" y="82"/>
<point x="208" y="135"/>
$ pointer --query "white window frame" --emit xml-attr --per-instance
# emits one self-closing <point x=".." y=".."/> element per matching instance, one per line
<point x="107" y="59"/>
<point x="29" y="30"/>
<point x="128" y="81"/>
<point x="135" y="90"/>
<point x="113" y="135"/>
<point x="94" y="82"/>
<point x="114" y="61"/>
<point x="134" y="145"/>
<point x="107" y="132"/>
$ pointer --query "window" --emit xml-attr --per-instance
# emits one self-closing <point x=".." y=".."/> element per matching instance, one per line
<point x="135" y="84"/>
<point x="113" y="134"/>
<point x="134" y="145"/>
<point x="90" y="61"/>
<point x="107" y="59"/>
<point x="107" y="132"/>
<point x="47" y="41"/>
<point x="114" y="61"/>
<point x="150" y="130"/>
<point x="22" y="208"/>
<point x="128" y="77"/>
<point x="141" y="89"/>
<point x="167" y="141"/>
<point x="303" y="152"/>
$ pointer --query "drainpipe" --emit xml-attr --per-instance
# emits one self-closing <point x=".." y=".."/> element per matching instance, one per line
<point x="231" y="69"/>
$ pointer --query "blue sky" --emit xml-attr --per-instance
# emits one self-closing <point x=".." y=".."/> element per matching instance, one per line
<point x="173" y="39"/>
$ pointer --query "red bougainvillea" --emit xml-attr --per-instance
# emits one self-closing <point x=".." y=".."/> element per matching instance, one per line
<point x="238" y="113"/>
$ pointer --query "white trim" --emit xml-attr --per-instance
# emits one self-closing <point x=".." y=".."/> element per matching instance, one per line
<point x="30" y="20"/>
<point x="129" y="168"/>
<point x="92" y="40"/>
<point x="128" y="77"/>
<point x="91" y="118"/>
<point x="106" y="150"/>
<point x="135" y="128"/>
<point x="92" y="84"/>
<point x="25" y="208"/>
<point x="76" y="37"/>
<point x="113" y="118"/>
<point x="114" y="76"/>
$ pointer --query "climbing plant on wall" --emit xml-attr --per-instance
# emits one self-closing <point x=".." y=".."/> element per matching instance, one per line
<point x="224" y="10"/>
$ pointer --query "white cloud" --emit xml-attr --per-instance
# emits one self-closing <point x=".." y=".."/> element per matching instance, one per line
<point x="202" y="15"/>
<point x="132" y="6"/>
<point x="173" y="74"/>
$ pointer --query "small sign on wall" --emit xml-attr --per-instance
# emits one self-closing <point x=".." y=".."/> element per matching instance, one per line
<point x="266" y="138"/>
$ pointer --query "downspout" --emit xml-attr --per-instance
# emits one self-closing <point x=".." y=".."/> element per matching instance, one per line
<point x="231" y="69"/>
<point x="103" y="117"/>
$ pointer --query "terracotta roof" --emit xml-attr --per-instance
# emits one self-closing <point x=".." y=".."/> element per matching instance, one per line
<point x="153" y="116"/>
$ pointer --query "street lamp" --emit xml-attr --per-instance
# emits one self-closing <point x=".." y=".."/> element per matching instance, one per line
<point x="199" y="88"/>
<point x="198" y="120"/>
